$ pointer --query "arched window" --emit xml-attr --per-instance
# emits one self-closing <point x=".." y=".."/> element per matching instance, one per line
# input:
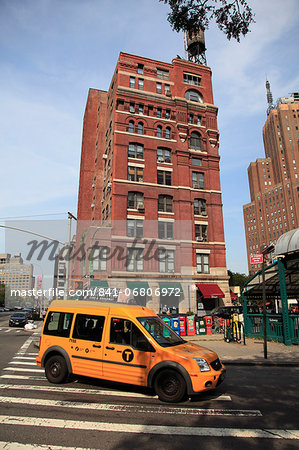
<point x="195" y="141"/>
<point x="131" y="126"/>
<point x="159" y="131"/>
<point x="194" y="96"/>
<point x="140" y="128"/>
<point x="168" y="133"/>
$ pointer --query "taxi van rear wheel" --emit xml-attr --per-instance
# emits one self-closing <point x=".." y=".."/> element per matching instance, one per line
<point x="56" y="369"/>
<point x="170" y="386"/>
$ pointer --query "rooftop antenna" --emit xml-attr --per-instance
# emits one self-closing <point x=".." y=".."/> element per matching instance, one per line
<point x="195" y="46"/>
<point x="269" y="98"/>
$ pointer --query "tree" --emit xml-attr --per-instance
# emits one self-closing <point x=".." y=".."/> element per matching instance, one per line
<point x="2" y="294"/>
<point x="237" y="279"/>
<point x="232" y="17"/>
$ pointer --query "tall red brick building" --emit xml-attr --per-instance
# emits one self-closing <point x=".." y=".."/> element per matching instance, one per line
<point x="150" y="170"/>
<point x="273" y="180"/>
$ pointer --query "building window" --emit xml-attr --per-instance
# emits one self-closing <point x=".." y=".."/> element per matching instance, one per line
<point x="163" y="155"/>
<point x="135" y="200"/>
<point x="190" y="118"/>
<point x="164" y="177"/>
<point x="168" y="133"/>
<point x="199" y="118"/>
<point x="196" y="161"/>
<point x="140" y="128"/>
<point x="191" y="79"/>
<point x="135" y="173"/>
<point x="166" y="260"/>
<point x="165" y="203"/>
<point x="167" y="89"/>
<point x="165" y="230"/>
<point x="131" y="126"/>
<point x="159" y="88"/>
<point x="195" y="141"/>
<point x="200" y="207"/>
<point x="135" y="150"/>
<point x="135" y="259"/>
<point x="135" y="228"/>
<point x="98" y="258"/>
<point x="159" y="131"/>
<point x="140" y="109"/>
<point x="202" y="263"/>
<point x="140" y="84"/>
<point x="132" y="82"/>
<point x="167" y="114"/>
<point x="140" y="69"/>
<point x="163" y="74"/>
<point x="132" y="107"/>
<point x="159" y="112"/>
<point x="201" y="233"/>
<point x="198" y="180"/>
<point x="194" y="96"/>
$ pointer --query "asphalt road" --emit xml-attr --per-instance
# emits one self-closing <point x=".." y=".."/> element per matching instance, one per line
<point x="255" y="408"/>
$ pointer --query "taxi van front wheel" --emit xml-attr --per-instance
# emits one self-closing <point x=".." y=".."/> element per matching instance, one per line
<point x="56" y="369"/>
<point x="170" y="386"/>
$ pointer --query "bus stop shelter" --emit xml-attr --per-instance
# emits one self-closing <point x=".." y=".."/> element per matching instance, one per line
<point x="281" y="287"/>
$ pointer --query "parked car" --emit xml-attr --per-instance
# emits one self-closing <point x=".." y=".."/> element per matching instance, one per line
<point x="18" y="319"/>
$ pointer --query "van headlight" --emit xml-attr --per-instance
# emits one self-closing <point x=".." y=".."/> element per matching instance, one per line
<point x="202" y="364"/>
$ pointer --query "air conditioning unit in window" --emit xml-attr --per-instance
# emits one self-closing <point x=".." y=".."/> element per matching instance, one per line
<point x="93" y="186"/>
<point x="196" y="186"/>
<point x="104" y="156"/>
<point x="168" y="93"/>
<point x="140" y="207"/>
<point x="109" y="185"/>
<point x="204" y="213"/>
<point x="160" y="159"/>
<point x="199" y="238"/>
<point x="92" y="205"/>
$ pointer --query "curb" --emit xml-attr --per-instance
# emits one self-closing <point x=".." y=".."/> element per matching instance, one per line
<point x="260" y="363"/>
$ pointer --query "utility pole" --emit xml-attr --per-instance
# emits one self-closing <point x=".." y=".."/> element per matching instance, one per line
<point x="67" y="271"/>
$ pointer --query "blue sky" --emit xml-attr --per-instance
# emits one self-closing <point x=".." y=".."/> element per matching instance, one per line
<point x="53" y="51"/>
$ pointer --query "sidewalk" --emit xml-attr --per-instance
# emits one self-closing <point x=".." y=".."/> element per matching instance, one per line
<point x="250" y="354"/>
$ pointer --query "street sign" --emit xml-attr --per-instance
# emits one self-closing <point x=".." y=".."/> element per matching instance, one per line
<point x="256" y="259"/>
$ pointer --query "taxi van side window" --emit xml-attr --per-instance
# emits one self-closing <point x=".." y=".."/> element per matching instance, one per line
<point x="58" y="324"/>
<point x="125" y="332"/>
<point x="88" y="327"/>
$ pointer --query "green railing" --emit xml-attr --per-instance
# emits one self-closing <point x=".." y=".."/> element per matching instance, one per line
<point x="294" y="326"/>
<point x="254" y="327"/>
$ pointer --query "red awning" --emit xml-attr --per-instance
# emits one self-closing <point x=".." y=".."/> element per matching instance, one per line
<point x="233" y="296"/>
<point x="210" y="290"/>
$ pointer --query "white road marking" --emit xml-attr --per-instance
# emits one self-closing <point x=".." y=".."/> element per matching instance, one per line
<point x="7" y="331"/>
<point x="151" y="429"/>
<point x="131" y="408"/>
<point x="24" y="369"/>
<point x="22" y="377"/>
<point x="32" y="358"/>
<point x="19" y="446"/>
<point x="85" y="391"/>
<point x="26" y="353"/>
<point x="24" y="363"/>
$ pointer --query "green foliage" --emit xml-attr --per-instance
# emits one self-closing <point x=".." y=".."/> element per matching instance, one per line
<point x="232" y="17"/>
<point x="237" y="279"/>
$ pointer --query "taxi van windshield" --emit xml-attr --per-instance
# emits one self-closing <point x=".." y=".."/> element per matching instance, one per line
<point x="161" y="332"/>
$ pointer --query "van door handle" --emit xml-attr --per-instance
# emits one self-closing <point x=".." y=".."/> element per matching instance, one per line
<point x="97" y="346"/>
<point x="110" y="348"/>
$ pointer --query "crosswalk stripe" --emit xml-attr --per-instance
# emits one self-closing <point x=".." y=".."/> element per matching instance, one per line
<point x="24" y="363"/>
<point x="19" y="446"/>
<point x="132" y="408"/>
<point x="24" y="369"/>
<point x="151" y="429"/>
<point x="25" y="354"/>
<point x="25" y="357"/>
<point x="89" y="391"/>
<point x="22" y="377"/>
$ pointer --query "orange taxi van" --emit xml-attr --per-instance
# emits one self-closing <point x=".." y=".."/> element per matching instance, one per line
<point x="127" y="344"/>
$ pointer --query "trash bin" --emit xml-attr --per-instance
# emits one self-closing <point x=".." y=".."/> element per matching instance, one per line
<point x="191" y="325"/>
<point x="183" y="330"/>
<point x="209" y="323"/>
<point x="175" y="325"/>
<point x="201" y="328"/>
